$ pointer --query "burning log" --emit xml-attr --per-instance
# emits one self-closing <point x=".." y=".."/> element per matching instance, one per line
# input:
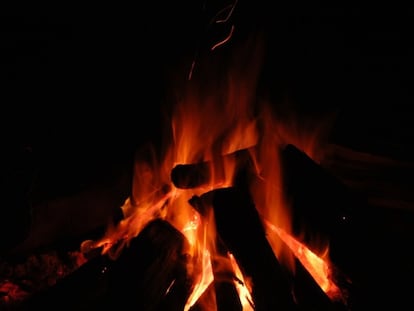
<point x="227" y="297"/>
<point x="223" y="289"/>
<point x="150" y="273"/>
<point x="309" y="295"/>
<point x="239" y="225"/>
<point x="320" y="203"/>
<point x="223" y="294"/>
<point x="187" y="176"/>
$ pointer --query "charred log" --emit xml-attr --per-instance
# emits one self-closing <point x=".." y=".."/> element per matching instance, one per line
<point x="320" y="202"/>
<point x="187" y="176"/>
<point x="226" y="293"/>
<point x="222" y="293"/>
<point x="220" y="296"/>
<point x="310" y="296"/>
<point x="150" y="274"/>
<point x="227" y="297"/>
<point x="239" y="225"/>
<point x="321" y="205"/>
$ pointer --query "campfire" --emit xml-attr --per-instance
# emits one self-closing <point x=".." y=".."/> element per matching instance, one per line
<point x="215" y="219"/>
<point x="244" y="194"/>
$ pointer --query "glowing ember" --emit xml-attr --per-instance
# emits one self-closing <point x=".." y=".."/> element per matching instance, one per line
<point x="10" y="292"/>
<point x="20" y="280"/>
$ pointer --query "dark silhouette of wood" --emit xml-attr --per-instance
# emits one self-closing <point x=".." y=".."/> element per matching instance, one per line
<point x="193" y="175"/>
<point x="241" y="230"/>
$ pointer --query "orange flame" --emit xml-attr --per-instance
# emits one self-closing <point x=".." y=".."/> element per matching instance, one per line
<point x="243" y="286"/>
<point x="317" y="265"/>
<point x="196" y="231"/>
<point x="207" y="122"/>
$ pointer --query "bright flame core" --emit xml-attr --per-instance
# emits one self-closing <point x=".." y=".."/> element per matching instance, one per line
<point x="207" y="122"/>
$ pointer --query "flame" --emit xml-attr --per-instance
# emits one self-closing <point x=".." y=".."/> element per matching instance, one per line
<point x="243" y="286"/>
<point x="208" y="122"/>
<point x="317" y="265"/>
<point x="196" y="231"/>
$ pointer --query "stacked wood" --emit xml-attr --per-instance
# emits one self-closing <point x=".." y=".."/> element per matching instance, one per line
<point x="151" y="274"/>
<point x="239" y="225"/>
<point x="321" y="205"/>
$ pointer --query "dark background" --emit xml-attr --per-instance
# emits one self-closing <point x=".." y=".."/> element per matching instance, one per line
<point x="81" y="89"/>
<point x="96" y="77"/>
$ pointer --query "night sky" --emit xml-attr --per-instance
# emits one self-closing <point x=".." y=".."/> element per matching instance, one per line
<point x="77" y="77"/>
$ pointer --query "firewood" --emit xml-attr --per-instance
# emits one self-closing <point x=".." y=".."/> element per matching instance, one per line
<point x="239" y="226"/>
<point x="222" y="295"/>
<point x="150" y="273"/>
<point x="319" y="201"/>
<point x="309" y="295"/>
<point x="227" y="297"/>
<point x="187" y="176"/>
<point x="320" y="204"/>
<point x="192" y="175"/>
<point x="226" y="293"/>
